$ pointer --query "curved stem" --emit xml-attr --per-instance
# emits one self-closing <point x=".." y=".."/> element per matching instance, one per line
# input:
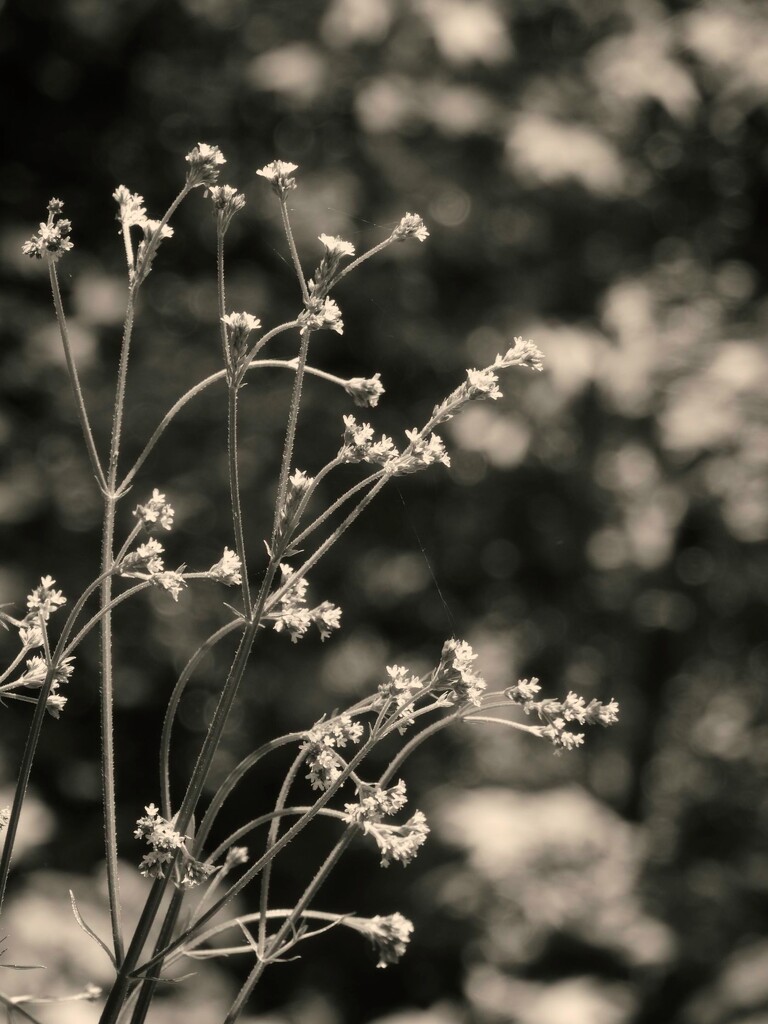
<point x="74" y="378"/>
<point x="254" y="823"/>
<point x="362" y="258"/>
<point x="294" y="251"/>
<point x="173" y="704"/>
<point x="234" y="491"/>
<point x="337" y="505"/>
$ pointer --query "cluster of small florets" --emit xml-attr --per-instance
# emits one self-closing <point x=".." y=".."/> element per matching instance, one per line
<point x="376" y="803"/>
<point x="145" y="563"/>
<point x="396" y="842"/>
<point x="456" y="674"/>
<point x="558" y="714"/>
<point x="204" y="164"/>
<point x="226" y="201"/>
<point x="228" y="569"/>
<point x="336" y="249"/>
<point x="239" y="328"/>
<point x="162" y="837"/>
<point x="52" y="239"/>
<point x="34" y="677"/>
<point x="523" y="353"/>
<point x="390" y="935"/>
<point x="323" y="740"/>
<point x="421" y="452"/>
<point x="359" y="445"/>
<point x="411" y="226"/>
<point x="322" y="313"/>
<point x="45" y="599"/>
<point x="156" y="513"/>
<point x="130" y="207"/>
<point x="400" y="687"/>
<point x="294" y="617"/>
<point x="298" y="485"/>
<point x="278" y="174"/>
<point x="365" y="391"/>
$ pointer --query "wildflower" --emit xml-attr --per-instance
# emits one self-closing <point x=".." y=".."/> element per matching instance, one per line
<point x="390" y="935"/>
<point x="5" y="817"/>
<point x="376" y="803"/>
<point x="557" y="714"/>
<point x="411" y="226"/>
<point x="365" y="391"/>
<point x="524" y="690"/>
<point x="204" y="163"/>
<point x="335" y="250"/>
<point x="326" y="617"/>
<point x="524" y="353"/>
<point x="235" y="857"/>
<point x="359" y="446"/>
<point x="298" y="485"/>
<point x="154" y="233"/>
<point x="323" y="314"/>
<point x="455" y="672"/>
<point x="193" y="872"/>
<point x="336" y="246"/>
<point x="44" y="599"/>
<point x="293" y="616"/>
<point x="145" y="558"/>
<point x="171" y="581"/>
<point x="420" y="453"/>
<point x="278" y="174"/>
<point x="228" y="569"/>
<point x="37" y="670"/>
<point x="161" y="837"/>
<point x="240" y="326"/>
<point x="399" y="843"/>
<point x="226" y="201"/>
<point x="131" y="211"/>
<point x="156" y="511"/>
<point x="55" y="703"/>
<point x="323" y="739"/>
<point x="53" y="237"/>
<point x="400" y="686"/>
<point x="30" y="633"/>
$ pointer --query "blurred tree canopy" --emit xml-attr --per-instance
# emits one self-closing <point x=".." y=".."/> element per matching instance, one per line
<point x="593" y="173"/>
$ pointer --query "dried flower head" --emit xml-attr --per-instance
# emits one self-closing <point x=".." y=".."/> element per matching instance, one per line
<point x="131" y="210"/>
<point x="365" y="391"/>
<point x="411" y="226"/>
<point x="226" y="201"/>
<point x="228" y="569"/>
<point x="390" y="935"/>
<point x="278" y="174"/>
<point x="156" y="512"/>
<point x="204" y="165"/>
<point x="52" y="239"/>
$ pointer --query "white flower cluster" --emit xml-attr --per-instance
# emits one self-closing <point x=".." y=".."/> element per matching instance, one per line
<point x="336" y="249"/>
<point x="323" y="740"/>
<point x="455" y="672"/>
<point x="44" y="599"/>
<point x="228" y="569"/>
<point x="53" y="237"/>
<point x="523" y="353"/>
<point x="396" y="842"/>
<point x="293" y="615"/>
<point x="226" y="201"/>
<point x="322" y="313"/>
<point x="359" y="445"/>
<point x="557" y="714"/>
<point x="411" y="226"/>
<point x="401" y="687"/>
<point x="239" y="328"/>
<point x="278" y="174"/>
<point x="34" y="678"/>
<point x="130" y="207"/>
<point x="365" y="391"/>
<point x="390" y="935"/>
<point x="156" y="512"/>
<point x="298" y="485"/>
<point x="163" y="840"/>
<point x="145" y="563"/>
<point x="421" y="452"/>
<point x="204" y="163"/>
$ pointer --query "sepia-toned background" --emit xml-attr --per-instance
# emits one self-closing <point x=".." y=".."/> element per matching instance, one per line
<point x="593" y="175"/>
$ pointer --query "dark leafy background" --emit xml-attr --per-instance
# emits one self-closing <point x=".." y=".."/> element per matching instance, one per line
<point x="593" y="176"/>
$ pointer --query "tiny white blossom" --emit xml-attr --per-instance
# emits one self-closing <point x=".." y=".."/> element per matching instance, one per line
<point x="156" y="511"/>
<point x="278" y="174"/>
<point x="131" y="209"/>
<point x="228" y="569"/>
<point x="365" y="391"/>
<point x="336" y="246"/>
<point x="411" y="226"/>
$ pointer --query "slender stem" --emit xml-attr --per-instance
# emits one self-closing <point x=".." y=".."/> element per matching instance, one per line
<point x="249" y="826"/>
<point x="362" y="258"/>
<point x="270" y="335"/>
<point x="406" y="751"/>
<point x="173" y="704"/>
<point x="274" y="828"/>
<point x="256" y="364"/>
<point x="234" y="491"/>
<point x="294" y="251"/>
<point x="336" y="505"/>
<point x="319" y="915"/>
<point x="231" y="781"/>
<point x="16" y="661"/>
<point x="325" y="869"/>
<point x="74" y="378"/>
<point x="95" y="619"/>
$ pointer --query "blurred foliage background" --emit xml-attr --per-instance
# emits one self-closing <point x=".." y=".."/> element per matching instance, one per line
<point x="593" y="173"/>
